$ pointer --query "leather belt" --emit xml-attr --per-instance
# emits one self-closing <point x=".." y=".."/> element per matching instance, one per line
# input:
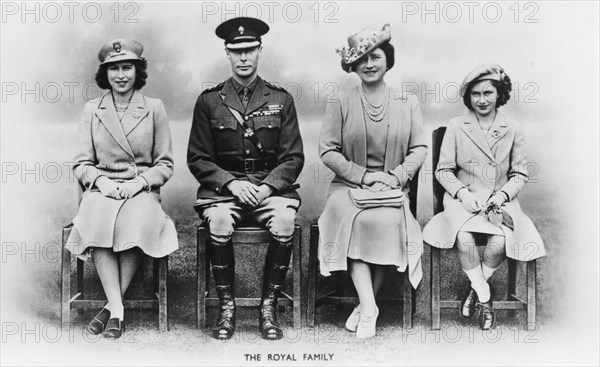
<point x="249" y="165"/>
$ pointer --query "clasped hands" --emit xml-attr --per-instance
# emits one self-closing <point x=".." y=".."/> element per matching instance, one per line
<point x="472" y="205"/>
<point x="249" y="193"/>
<point x="119" y="190"/>
<point x="380" y="181"/>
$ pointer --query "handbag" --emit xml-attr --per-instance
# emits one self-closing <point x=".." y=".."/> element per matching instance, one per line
<point x="365" y="199"/>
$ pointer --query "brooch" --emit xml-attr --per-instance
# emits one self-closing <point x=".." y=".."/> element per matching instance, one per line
<point x="495" y="134"/>
<point x="401" y="97"/>
<point x="136" y="114"/>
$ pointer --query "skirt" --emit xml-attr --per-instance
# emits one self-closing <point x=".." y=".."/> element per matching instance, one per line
<point x="122" y="225"/>
<point x="384" y="236"/>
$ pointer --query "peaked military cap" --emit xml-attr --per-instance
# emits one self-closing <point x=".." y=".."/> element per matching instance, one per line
<point x="242" y="32"/>
<point x="120" y="50"/>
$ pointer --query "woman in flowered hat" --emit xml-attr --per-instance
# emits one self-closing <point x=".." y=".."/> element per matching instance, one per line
<point x="123" y="158"/>
<point x="483" y="167"/>
<point x="372" y="137"/>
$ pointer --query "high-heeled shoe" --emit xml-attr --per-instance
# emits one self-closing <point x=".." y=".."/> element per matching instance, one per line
<point x="114" y="328"/>
<point x="96" y="326"/>
<point x="366" y="325"/>
<point x="353" y="319"/>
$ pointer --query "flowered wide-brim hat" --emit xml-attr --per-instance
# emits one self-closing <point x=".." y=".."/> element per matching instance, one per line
<point x="363" y="42"/>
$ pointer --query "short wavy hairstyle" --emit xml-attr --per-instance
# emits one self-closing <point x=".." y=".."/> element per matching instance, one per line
<point x="140" y="74"/>
<point x="388" y="51"/>
<point x="503" y="87"/>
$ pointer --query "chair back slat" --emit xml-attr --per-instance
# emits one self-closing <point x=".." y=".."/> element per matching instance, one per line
<point x="412" y="194"/>
<point x="438" y="190"/>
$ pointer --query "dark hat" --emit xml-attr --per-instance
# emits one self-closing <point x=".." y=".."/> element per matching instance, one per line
<point x="483" y="72"/>
<point x="120" y="50"/>
<point x="242" y="32"/>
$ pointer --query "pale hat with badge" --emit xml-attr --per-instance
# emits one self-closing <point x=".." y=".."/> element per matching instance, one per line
<point x="121" y="49"/>
<point x="242" y="32"/>
<point x="483" y="72"/>
<point x="364" y="42"/>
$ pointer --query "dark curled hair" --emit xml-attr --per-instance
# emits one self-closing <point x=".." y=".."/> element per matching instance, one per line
<point x="140" y="74"/>
<point x="388" y="51"/>
<point x="503" y="87"/>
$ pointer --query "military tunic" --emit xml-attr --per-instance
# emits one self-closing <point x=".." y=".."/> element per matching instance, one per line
<point x="220" y="150"/>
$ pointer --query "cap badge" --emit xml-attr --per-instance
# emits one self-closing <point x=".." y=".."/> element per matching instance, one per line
<point x="241" y="30"/>
<point x="117" y="47"/>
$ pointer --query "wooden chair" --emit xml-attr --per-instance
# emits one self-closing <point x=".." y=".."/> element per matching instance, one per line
<point x="513" y="302"/>
<point x="77" y="300"/>
<point x="337" y="296"/>
<point x="244" y="235"/>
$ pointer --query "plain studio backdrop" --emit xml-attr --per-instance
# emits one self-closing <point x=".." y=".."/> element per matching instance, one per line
<point x="549" y="49"/>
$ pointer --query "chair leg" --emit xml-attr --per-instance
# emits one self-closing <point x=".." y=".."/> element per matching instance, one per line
<point x="80" y="276"/>
<point x="339" y="287"/>
<point x="531" y="295"/>
<point x="163" y="304"/>
<point x="435" y="288"/>
<point x="201" y="277"/>
<point x="66" y="280"/>
<point x="296" y="265"/>
<point x="313" y="275"/>
<point x="512" y="283"/>
<point x="407" y="307"/>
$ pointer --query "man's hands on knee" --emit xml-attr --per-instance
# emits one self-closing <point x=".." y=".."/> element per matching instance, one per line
<point x="248" y="193"/>
<point x="264" y="191"/>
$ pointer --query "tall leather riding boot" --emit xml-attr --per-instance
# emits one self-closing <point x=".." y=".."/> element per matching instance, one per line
<point x="276" y="267"/>
<point x="223" y="269"/>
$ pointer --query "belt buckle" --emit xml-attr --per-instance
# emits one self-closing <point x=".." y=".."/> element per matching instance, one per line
<point x="247" y="164"/>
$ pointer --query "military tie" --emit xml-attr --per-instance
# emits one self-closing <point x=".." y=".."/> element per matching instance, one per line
<point x="246" y="92"/>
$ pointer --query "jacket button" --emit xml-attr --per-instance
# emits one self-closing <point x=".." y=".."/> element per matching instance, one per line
<point x="248" y="151"/>
<point x="246" y="118"/>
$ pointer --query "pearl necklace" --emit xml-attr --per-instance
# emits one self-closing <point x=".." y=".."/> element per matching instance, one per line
<point x="375" y="113"/>
<point x="118" y="106"/>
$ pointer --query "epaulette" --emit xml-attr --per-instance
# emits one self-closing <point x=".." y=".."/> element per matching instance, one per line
<point x="278" y="87"/>
<point x="212" y="89"/>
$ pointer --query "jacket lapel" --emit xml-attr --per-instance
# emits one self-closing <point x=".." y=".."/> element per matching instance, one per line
<point x="471" y="127"/>
<point x="356" y="117"/>
<point x="498" y="129"/>
<point x="230" y="97"/>
<point x="135" y="113"/>
<point x="260" y="96"/>
<point x="107" y="115"/>
<point x="394" y="125"/>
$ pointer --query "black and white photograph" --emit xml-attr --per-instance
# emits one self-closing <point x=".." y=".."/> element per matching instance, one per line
<point x="299" y="183"/>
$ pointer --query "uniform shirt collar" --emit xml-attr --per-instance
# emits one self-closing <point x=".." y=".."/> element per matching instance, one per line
<point x="239" y="87"/>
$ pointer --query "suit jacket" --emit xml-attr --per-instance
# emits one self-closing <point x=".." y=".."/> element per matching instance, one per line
<point x="216" y="134"/>
<point x="484" y="165"/>
<point x="343" y="142"/>
<point x="139" y="145"/>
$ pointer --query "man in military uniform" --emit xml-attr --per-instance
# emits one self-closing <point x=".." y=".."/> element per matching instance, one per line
<point x="245" y="150"/>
